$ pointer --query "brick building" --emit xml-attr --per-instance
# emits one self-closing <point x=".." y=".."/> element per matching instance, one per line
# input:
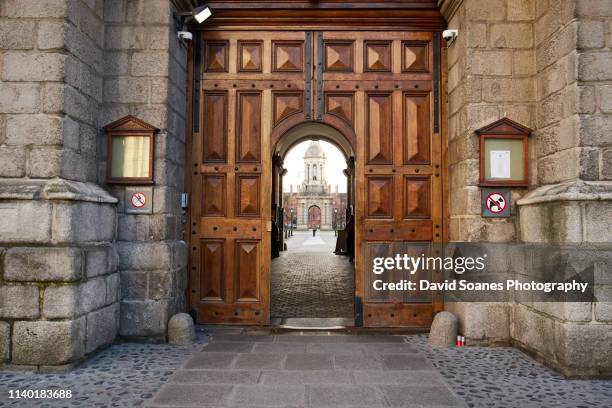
<point x="79" y="270"/>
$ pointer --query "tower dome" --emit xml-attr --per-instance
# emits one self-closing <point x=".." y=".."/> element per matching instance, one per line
<point x="314" y="150"/>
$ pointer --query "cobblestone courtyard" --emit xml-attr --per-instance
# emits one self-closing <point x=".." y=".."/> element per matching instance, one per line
<point x="233" y="367"/>
<point x="308" y="280"/>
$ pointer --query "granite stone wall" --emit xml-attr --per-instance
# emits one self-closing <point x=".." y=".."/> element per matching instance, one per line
<point x="145" y="76"/>
<point x="545" y="64"/>
<point x="59" y="286"/>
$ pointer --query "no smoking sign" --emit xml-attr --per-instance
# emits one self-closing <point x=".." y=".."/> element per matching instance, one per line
<point x="495" y="202"/>
<point x="139" y="200"/>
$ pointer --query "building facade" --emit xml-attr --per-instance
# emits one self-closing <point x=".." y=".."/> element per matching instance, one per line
<point x="78" y="270"/>
<point x="314" y="205"/>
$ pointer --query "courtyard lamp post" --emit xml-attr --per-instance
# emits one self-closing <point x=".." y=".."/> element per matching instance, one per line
<point x="291" y="222"/>
<point x="335" y="222"/>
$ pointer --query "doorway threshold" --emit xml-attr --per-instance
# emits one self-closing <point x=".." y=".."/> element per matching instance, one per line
<point x="312" y="323"/>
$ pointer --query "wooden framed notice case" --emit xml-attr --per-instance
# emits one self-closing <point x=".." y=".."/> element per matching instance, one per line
<point x="504" y="154"/>
<point x="130" y="143"/>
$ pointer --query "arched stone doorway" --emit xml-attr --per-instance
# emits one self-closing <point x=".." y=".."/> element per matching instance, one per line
<point x="314" y="217"/>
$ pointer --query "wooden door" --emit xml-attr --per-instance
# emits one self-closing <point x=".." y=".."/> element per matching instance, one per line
<point x="379" y="89"/>
<point x="384" y="85"/>
<point x="248" y="82"/>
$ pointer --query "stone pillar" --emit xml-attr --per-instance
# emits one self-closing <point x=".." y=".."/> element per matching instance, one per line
<point x="145" y="77"/>
<point x="572" y="205"/>
<point x="58" y="280"/>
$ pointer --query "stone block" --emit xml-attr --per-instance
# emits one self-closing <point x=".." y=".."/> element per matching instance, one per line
<point x="534" y="331"/>
<point x="595" y="66"/>
<point x="53" y="97"/>
<point x="493" y="10"/>
<point x="17" y="34"/>
<point x="511" y="35"/>
<point x="36" y="9"/>
<point x="19" y="98"/>
<point x="482" y="323"/>
<point x="489" y="63"/>
<point x="465" y="173"/>
<point x="114" y="10"/>
<point x="149" y="37"/>
<point x="19" y="302"/>
<point x="113" y="289"/>
<point x="86" y="20"/>
<point x="25" y="222"/>
<point x="508" y="90"/>
<point x="84" y="48"/>
<point x="501" y="230"/>
<point x="567" y="311"/>
<point x="150" y="63"/>
<point x="181" y="330"/>
<point x="83" y="222"/>
<point x="100" y="260"/>
<point x="523" y="62"/>
<point x="597" y="221"/>
<point x="102" y="327"/>
<point x="595" y="130"/>
<point x="606" y="165"/>
<point x="33" y="67"/>
<point x="443" y="332"/>
<point x="583" y="350"/>
<point x="521" y="10"/>
<point x="149" y="12"/>
<point x="45" y="162"/>
<point x="69" y="301"/>
<point x="142" y="319"/>
<point x="593" y="8"/>
<point x="180" y="257"/>
<point x="12" y="160"/>
<point x="48" y="343"/>
<point x="34" y="129"/>
<point x="161" y="285"/>
<point x="590" y="34"/>
<point x="134" y="285"/>
<point x="144" y="255"/>
<point x="116" y="63"/>
<point x="39" y="264"/>
<point x="117" y="37"/>
<point x="5" y="342"/>
<point x="50" y="35"/>
<point x="126" y="90"/>
<point x="557" y="46"/>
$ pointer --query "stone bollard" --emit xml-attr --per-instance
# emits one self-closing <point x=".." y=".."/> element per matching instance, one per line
<point x="181" y="330"/>
<point x="443" y="332"/>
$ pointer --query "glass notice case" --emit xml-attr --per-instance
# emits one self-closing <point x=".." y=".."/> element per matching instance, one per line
<point x="504" y="154"/>
<point x="130" y="151"/>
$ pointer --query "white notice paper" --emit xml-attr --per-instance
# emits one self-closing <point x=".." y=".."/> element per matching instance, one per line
<point x="500" y="164"/>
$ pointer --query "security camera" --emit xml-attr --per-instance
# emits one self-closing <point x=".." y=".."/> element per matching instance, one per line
<point x="450" y="36"/>
<point x="185" y="35"/>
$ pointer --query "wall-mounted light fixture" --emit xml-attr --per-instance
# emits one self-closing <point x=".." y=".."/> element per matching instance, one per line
<point x="199" y="14"/>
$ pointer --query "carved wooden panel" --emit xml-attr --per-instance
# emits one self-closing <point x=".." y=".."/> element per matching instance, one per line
<point x="216" y="56"/>
<point x="380" y="129"/>
<point x="417" y="197"/>
<point x="213" y="195"/>
<point x="377" y="56"/>
<point x="379" y="197"/>
<point x="246" y="270"/>
<point x="417" y="128"/>
<point x="339" y="56"/>
<point x="214" y="146"/>
<point x="415" y="56"/>
<point x="288" y="56"/>
<point x="212" y="277"/>
<point x="249" y="56"/>
<point x="286" y="104"/>
<point x="341" y="105"/>
<point x="247" y="195"/>
<point x="248" y="126"/>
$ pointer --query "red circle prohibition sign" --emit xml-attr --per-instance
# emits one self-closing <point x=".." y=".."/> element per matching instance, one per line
<point x="496" y="203"/>
<point x="138" y="200"/>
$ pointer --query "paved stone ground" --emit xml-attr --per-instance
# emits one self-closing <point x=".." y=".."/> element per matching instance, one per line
<point x="308" y="280"/>
<point x="132" y="375"/>
<point x="241" y="370"/>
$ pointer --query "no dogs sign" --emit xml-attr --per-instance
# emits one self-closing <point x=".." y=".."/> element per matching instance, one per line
<point x="495" y="202"/>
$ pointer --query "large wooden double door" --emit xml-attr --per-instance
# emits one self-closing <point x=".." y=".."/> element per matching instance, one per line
<point x="380" y="91"/>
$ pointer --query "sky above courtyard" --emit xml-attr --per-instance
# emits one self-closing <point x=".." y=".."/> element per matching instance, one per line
<point x="294" y="163"/>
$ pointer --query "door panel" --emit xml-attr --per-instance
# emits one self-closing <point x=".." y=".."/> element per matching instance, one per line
<point x="378" y="89"/>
